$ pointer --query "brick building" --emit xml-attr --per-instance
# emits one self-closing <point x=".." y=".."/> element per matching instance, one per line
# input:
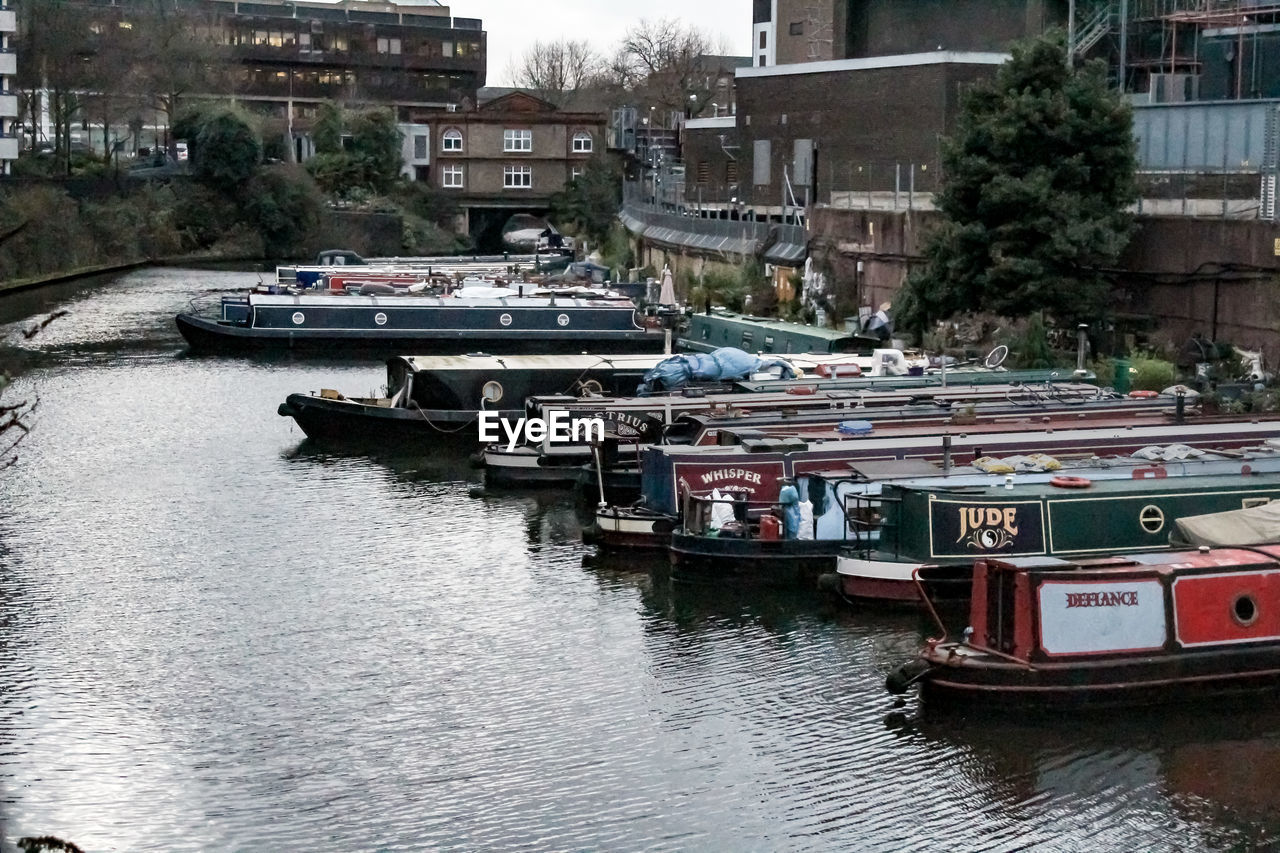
<point x="785" y="32"/>
<point x="849" y="98"/>
<point x="509" y="155"/>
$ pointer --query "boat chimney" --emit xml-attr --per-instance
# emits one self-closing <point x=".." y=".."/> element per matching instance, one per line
<point x="1180" y="407"/>
<point x="1082" y="343"/>
<point x="946" y="455"/>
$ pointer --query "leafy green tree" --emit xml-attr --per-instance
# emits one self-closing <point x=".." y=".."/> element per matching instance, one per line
<point x="229" y="150"/>
<point x="590" y="202"/>
<point x="1038" y="178"/>
<point x="375" y="145"/>
<point x="283" y="204"/>
<point x="326" y="132"/>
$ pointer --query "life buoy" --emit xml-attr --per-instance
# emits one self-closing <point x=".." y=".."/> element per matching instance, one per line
<point x="1071" y="482"/>
<point x="1143" y="395"/>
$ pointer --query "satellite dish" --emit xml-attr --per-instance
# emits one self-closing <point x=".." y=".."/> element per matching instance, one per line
<point x="996" y="357"/>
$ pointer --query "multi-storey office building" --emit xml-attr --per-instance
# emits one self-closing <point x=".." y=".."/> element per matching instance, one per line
<point x="285" y="58"/>
<point x="8" y="100"/>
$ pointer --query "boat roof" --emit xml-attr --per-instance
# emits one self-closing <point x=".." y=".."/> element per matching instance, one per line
<point x="1209" y="558"/>
<point x="492" y="363"/>
<point x="1026" y="490"/>
<point x="783" y="326"/>
<point x="416" y="300"/>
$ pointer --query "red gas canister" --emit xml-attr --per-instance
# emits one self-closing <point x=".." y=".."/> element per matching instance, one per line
<point x="770" y="527"/>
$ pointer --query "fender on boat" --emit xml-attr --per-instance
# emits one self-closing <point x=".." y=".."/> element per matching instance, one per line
<point x="906" y="675"/>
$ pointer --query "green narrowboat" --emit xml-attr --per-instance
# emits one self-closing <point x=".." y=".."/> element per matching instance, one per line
<point x="708" y="332"/>
<point x="938" y="533"/>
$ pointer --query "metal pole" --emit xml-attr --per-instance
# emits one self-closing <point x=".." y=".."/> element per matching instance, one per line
<point x="1071" y="32"/>
<point x="911" y="189"/>
<point x="1124" y="46"/>
<point x="897" y="183"/>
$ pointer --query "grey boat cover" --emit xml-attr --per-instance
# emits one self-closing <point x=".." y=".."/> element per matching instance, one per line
<point x="1257" y="525"/>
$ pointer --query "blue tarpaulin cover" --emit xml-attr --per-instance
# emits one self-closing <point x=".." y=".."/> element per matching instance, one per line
<point x="724" y="364"/>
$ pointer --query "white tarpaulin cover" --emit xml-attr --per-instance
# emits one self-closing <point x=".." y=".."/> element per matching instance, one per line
<point x="1257" y="525"/>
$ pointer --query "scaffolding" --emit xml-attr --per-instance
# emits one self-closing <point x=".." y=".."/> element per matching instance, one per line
<point x="1155" y="45"/>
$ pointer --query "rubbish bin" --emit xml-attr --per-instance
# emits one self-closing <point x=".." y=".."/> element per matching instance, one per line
<point x="1121" y="383"/>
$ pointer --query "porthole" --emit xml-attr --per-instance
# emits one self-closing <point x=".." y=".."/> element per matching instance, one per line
<point x="505" y="319"/>
<point x="380" y="318"/>
<point x="1152" y="519"/>
<point x="563" y="319"/>
<point x="298" y="318"/>
<point x="1244" y="610"/>
<point x="491" y="392"/>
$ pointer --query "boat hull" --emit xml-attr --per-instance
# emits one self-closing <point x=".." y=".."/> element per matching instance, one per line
<point x="344" y="421"/>
<point x="780" y="562"/>
<point x="212" y="336"/>
<point x="1216" y="674"/>
<point x="626" y="527"/>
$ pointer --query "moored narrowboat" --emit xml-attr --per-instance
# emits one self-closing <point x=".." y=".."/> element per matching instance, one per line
<point x="927" y="536"/>
<point x="435" y="397"/>
<point x="1050" y="634"/>
<point x="401" y="322"/>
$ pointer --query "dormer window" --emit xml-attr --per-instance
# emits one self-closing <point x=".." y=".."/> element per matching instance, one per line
<point x="452" y="141"/>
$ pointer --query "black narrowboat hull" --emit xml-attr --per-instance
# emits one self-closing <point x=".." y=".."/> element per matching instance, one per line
<point x="212" y="336"/>
<point x="1050" y="686"/>
<point x="779" y="562"/>
<point x="346" y="421"/>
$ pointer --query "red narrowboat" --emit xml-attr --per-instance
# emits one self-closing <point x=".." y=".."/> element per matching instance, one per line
<point x="1048" y="634"/>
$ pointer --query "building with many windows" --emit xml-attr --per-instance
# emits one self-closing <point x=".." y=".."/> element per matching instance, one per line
<point x="8" y="101"/>
<point x="279" y="57"/>
<point x="511" y="154"/>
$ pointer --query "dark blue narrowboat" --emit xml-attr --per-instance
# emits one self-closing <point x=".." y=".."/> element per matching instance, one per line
<point x="397" y="323"/>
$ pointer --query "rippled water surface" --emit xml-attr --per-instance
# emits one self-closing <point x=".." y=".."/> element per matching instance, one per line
<point x="214" y="636"/>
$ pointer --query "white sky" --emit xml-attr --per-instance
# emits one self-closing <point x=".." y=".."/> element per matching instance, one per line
<point x="513" y="25"/>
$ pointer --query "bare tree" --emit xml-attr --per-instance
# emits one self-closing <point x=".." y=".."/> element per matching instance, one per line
<point x="554" y="69"/>
<point x="178" y="55"/>
<point x="669" y="64"/>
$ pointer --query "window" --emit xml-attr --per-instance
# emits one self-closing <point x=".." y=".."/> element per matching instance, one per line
<point x="731" y="172"/>
<point x="446" y="49"/>
<point x="419" y="146"/>
<point x="575" y="172"/>
<point x="768" y="343"/>
<point x="452" y="177"/>
<point x="452" y="140"/>
<point x="764" y="39"/>
<point x="517" y="140"/>
<point x="389" y="45"/>
<point x="704" y="172"/>
<point x="764" y="60"/>
<point x="797" y="28"/>
<point x="517" y="177"/>
<point x="582" y="143"/>
<point x="746" y="340"/>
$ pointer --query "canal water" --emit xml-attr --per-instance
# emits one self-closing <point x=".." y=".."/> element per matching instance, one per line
<point x="215" y="636"/>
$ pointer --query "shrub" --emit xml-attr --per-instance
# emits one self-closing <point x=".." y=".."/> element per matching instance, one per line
<point x="1152" y="374"/>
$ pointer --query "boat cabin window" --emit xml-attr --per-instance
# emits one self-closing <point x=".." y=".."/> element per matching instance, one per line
<point x="746" y="340"/>
<point x="1248" y="502"/>
<point x="768" y="343"/>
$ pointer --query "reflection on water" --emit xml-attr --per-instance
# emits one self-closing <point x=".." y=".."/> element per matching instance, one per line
<point x="216" y="636"/>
